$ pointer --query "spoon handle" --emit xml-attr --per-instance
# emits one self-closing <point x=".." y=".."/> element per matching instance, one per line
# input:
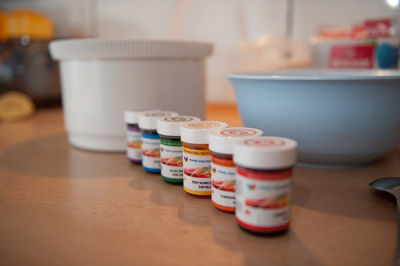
<point x="397" y="261"/>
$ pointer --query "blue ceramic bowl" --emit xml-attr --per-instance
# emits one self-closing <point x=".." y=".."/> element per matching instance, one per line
<point x="338" y="118"/>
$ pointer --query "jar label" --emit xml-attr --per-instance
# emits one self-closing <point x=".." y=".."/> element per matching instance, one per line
<point x="151" y="153"/>
<point x="197" y="171"/>
<point x="171" y="162"/>
<point x="263" y="205"/>
<point x="223" y="185"/>
<point x="134" y="145"/>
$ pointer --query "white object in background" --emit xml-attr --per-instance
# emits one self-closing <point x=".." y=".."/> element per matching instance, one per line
<point x="268" y="52"/>
<point x="102" y="78"/>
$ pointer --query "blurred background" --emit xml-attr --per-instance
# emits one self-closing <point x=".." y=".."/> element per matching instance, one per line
<point x="252" y="35"/>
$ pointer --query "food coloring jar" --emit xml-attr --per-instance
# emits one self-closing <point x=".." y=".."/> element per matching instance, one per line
<point x="169" y="129"/>
<point x="133" y="137"/>
<point x="263" y="183"/>
<point x="223" y="169"/>
<point x="150" y="139"/>
<point x="197" y="157"/>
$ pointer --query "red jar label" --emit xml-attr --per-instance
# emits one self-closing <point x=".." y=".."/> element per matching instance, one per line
<point x="263" y="200"/>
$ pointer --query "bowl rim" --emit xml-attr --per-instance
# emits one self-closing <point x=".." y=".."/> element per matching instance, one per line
<point x="128" y="48"/>
<point x="318" y="74"/>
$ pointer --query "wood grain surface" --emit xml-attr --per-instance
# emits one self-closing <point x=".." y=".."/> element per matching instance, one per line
<point x="64" y="206"/>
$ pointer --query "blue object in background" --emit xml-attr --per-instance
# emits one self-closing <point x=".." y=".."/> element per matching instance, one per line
<point x="387" y="55"/>
<point x="339" y="118"/>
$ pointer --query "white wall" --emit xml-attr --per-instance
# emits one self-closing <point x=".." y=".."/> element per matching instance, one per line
<point x="219" y="21"/>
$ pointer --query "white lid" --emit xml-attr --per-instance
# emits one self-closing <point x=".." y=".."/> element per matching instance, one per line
<point x="171" y="125"/>
<point x="148" y="120"/>
<point x="131" y="117"/>
<point x="265" y="153"/>
<point x="222" y="139"/>
<point x="197" y="132"/>
<point x="128" y="48"/>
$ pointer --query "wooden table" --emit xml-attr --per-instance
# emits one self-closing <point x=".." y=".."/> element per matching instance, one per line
<point x="63" y="206"/>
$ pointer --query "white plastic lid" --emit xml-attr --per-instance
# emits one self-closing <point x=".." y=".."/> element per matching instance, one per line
<point x="197" y="132"/>
<point x="148" y="120"/>
<point x="128" y="48"/>
<point x="221" y="140"/>
<point x="171" y="125"/>
<point x="265" y="153"/>
<point x="131" y="117"/>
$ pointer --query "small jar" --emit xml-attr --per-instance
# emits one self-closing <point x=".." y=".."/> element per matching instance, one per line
<point x="133" y="137"/>
<point x="197" y="157"/>
<point x="223" y="169"/>
<point x="263" y="183"/>
<point x="150" y="139"/>
<point x="169" y="129"/>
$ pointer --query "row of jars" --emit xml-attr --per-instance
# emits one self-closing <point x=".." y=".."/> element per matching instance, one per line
<point x="243" y="171"/>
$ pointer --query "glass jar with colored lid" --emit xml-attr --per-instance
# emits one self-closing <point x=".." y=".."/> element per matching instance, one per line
<point x="150" y="139"/>
<point x="223" y="169"/>
<point x="133" y="137"/>
<point x="169" y="129"/>
<point x="197" y="157"/>
<point x="263" y="183"/>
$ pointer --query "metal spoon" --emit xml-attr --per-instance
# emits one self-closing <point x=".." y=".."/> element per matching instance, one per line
<point x="391" y="185"/>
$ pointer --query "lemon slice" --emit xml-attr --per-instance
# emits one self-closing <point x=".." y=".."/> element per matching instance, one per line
<point x="15" y="106"/>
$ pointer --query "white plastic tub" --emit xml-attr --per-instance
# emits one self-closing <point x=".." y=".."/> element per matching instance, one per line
<point x="103" y="78"/>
